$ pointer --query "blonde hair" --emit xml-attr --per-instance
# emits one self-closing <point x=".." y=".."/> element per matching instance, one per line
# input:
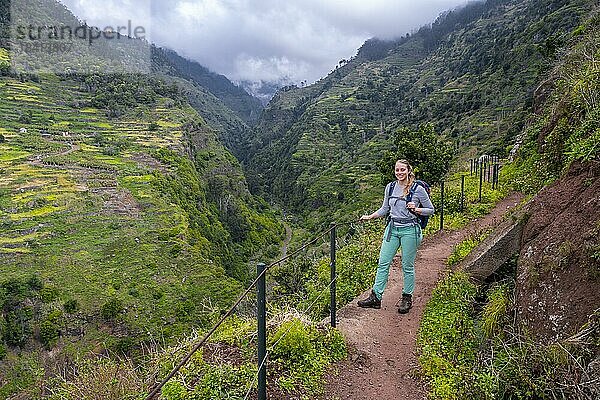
<point x="411" y="175"/>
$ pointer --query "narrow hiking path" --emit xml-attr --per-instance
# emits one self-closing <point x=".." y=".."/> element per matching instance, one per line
<point x="286" y="241"/>
<point x="382" y="343"/>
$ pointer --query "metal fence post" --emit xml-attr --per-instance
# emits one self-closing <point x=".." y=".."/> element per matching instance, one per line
<point x="496" y="171"/>
<point x="332" y="288"/>
<point x="442" y="208"/>
<point x="485" y="171"/>
<point x="480" y="182"/>
<point x="262" y="332"/>
<point x="462" y="193"/>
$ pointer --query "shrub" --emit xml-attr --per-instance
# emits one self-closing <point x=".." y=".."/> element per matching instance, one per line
<point x="111" y="309"/>
<point x="50" y="328"/>
<point x="70" y="306"/>
<point x="427" y="153"/>
<point x="293" y="343"/>
<point x="302" y="353"/>
<point x="121" y="346"/>
<point x="18" y="329"/>
<point x="49" y="294"/>
<point x="34" y="282"/>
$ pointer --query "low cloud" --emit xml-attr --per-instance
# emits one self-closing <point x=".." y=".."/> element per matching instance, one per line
<point x="267" y="40"/>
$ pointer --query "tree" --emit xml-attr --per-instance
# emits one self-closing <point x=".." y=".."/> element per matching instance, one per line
<point x="429" y="156"/>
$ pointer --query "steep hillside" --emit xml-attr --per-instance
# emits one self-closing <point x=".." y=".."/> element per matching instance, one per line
<point x="232" y="132"/>
<point x="559" y="264"/>
<point x="470" y="74"/>
<point x="559" y="269"/>
<point x="248" y="108"/>
<point x="228" y="109"/>
<point x="123" y="218"/>
<point x="152" y="181"/>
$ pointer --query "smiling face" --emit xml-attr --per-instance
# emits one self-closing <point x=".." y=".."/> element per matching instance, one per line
<point x="401" y="170"/>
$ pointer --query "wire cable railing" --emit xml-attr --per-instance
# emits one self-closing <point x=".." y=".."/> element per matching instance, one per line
<point x="284" y="334"/>
<point x="229" y="312"/>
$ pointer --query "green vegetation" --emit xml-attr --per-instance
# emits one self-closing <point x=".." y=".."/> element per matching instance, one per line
<point x="17" y="300"/>
<point x="462" y="249"/>
<point x="457" y="213"/>
<point x="429" y="156"/>
<point x="470" y="353"/>
<point x="447" y="339"/>
<point x="305" y="280"/>
<point x="4" y="61"/>
<point x="299" y="354"/>
<point x="498" y="358"/>
<point x="125" y="221"/>
<point x="566" y="127"/>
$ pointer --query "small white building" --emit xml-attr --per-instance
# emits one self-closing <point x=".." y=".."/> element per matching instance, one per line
<point x="23" y="130"/>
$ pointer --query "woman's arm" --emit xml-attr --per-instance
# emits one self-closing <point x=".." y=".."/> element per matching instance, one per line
<point x="425" y="205"/>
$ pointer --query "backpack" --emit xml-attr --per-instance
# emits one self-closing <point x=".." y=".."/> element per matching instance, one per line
<point x="422" y="219"/>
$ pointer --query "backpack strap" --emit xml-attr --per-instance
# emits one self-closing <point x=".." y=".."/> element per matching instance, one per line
<point x="388" y="220"/>
<point x="391" y="188"/>
<point x="412" y="191"/>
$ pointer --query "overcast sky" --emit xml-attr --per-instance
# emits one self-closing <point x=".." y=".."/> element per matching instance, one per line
<point x="265" y="39"/>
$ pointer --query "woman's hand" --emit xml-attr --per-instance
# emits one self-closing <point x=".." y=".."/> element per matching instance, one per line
<point x="411" y="206"/>
<point x="366" y="217"/>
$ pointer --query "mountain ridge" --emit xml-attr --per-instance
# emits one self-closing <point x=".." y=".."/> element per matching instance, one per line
<point x="314" y="145"/>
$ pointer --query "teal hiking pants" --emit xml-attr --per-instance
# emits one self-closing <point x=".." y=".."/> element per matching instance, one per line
<point x="408" y="238"/>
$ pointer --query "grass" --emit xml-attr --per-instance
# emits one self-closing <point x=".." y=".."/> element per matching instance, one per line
<point x="8" y="154"/>
<point x="4" y="56"/>
<point x="454" y="217"/>
<point x="20" y="239"/>
<point x="14" y="250"/>
<point x="38" y="212"/>
<point x="464" y="248"/>
<point x="465" y="353"/>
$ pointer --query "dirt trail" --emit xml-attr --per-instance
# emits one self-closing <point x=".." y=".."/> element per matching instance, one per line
<point x="286" y="241"/>
<point x="39" y="160"/>
<point x="382" y="342"/>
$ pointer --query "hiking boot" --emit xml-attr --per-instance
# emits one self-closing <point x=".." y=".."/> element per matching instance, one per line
<point x="370" y="302"/>
<point x="405" y="303"/>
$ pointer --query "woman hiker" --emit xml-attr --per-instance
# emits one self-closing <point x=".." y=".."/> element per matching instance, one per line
<point x="403" y="230"/>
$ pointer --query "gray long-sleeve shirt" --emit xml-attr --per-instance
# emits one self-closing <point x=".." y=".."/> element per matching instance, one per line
<point x="396" y="204"/>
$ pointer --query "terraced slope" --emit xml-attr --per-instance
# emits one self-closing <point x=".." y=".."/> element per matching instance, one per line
<point x="147" y="210"/>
